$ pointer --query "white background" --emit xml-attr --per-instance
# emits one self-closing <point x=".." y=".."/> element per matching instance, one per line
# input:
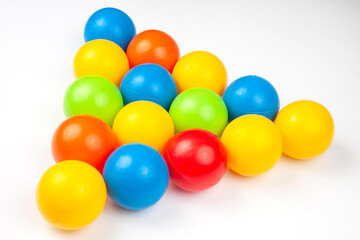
<point x="306" y="49"/>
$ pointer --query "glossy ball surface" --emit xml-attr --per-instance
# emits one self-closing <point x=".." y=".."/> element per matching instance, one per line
<point x="110" y="24"/>
<point x="84" y="138"/>
<point x="71" y="194"/>
<point x="101" y="58"/>
<point x="153" y="46"/>
<point x="199" y="108"/>
<point x="144" y="122"/>
<point x="253" y="144"/>
<point x="136" y="176"/>
<point x="307" y="129"/>
<point x="149" y="82"/>
<point x="200" y="69"/>
<point x="94" y="96"/>
<point x="196" y="159"/>
<point x="251" y="95"/>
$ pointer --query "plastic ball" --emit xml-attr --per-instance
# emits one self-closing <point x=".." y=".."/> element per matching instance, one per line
<point x="253" y="144"/>
<point x="200" y="69"/>
<point x="110" y="24"/>
<point x="136" y="176"/>
<point x="196" y="159"/>
<point x="144" y="122"/>
<point x="307" y="129"/>
<point x="71" y="194"/>
<point x="94" y="96"/>
<point x="251" y="95"/>
<point x="199" y="108"/>
<point x="101" y="58"/>
<point x="153" y="46"/>
<point x="85" y="138"/>
<point x="149" y="82"/>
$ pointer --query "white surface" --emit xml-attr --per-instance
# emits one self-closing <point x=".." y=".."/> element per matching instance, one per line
<point x="307" y="49"/>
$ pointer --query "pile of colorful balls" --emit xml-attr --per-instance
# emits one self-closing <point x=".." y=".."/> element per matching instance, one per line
<point x="138" y="114"/>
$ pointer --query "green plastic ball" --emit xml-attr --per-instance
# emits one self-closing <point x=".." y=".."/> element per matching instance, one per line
<point x="199" y="108"/>
<point x="93" y="95"/>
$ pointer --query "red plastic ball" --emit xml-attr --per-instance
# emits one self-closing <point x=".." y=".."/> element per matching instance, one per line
<point x="84" y="138"/>
<point x="196" y="159"/>
<point x="153" y="46"/>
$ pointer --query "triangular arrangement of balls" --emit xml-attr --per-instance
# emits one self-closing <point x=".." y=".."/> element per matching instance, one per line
<point x="138" y="114"/>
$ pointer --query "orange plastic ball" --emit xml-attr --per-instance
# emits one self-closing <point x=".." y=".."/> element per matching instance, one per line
<point x="84" y="138"/>
<point x="153" y="46"/>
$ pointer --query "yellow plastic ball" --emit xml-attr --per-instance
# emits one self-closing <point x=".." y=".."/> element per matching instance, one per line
<point x="101" y="58"/>
<point x="253" y="143"/>
<point x="71" y="194"/>
<point x="307" y="129"/>
<point x="200" y="69"/>
<point x="144" y="122"/>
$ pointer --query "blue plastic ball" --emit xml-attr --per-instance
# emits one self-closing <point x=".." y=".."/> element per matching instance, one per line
<point x="136" y="176"/>
<point x="110" y="24"/>
<point x="149" y="82"/>
<point x="251" y="95"/>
